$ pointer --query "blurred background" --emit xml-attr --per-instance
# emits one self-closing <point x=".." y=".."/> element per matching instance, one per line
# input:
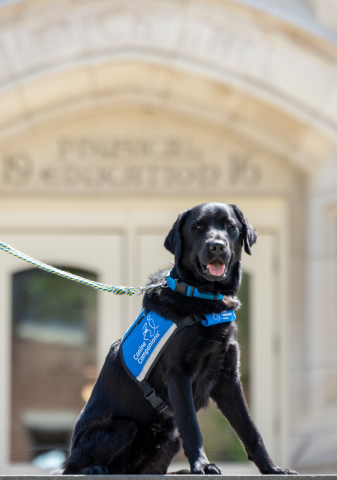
<point x="115" y="115"/>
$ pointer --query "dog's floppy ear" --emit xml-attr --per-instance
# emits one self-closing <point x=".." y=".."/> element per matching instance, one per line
<point x="249" y="233"/>
<point x="174" y="240"/>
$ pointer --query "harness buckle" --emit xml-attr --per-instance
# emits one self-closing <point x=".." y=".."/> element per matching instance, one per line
<point x="155" y="400"/>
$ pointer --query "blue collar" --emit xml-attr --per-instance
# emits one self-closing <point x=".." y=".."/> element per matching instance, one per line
<point x="189" y="291"/>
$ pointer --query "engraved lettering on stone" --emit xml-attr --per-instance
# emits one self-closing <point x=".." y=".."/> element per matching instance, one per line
<point x="192" y="38"/>
<point x="114" y="25"/>
<point x="17" y="169"/>
<point x="52" y="176"/>
<point x="222" y="42"/>
<point x="245" y="171"/>
<point x="120" y="149"/>
<point x="128" y="164"/>
<point x="52" y="35"/>
<point x="142" y="28"/>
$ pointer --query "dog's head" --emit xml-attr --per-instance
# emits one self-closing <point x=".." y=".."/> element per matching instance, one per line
<point x="206" y="241"/>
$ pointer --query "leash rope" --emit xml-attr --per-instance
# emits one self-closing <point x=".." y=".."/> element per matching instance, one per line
<point x="117" y="290"/>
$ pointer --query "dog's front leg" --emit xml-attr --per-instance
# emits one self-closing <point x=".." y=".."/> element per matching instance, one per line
<point x="229" y="397"/>
<point x="181" y="397"/>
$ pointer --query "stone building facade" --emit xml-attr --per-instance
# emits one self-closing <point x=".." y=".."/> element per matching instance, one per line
<point x="115" y="115"/>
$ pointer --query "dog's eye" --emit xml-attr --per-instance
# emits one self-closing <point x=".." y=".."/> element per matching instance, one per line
<point x="229" y="225"/>
<point x="198" y="226"/>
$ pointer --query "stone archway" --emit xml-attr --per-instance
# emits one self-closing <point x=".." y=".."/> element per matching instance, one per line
<point x="212" y="61"/>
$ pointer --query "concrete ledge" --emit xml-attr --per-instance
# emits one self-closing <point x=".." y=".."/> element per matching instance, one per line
<point x="170" y="477"/>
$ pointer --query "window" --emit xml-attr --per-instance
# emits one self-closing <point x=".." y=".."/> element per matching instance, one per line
<point x="54" y="330"/>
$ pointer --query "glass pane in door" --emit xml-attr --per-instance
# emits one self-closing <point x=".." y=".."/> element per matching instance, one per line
<point x="54" y="330"/>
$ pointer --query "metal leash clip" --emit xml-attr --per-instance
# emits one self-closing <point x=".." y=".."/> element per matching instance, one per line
<point x="160" y="283"/>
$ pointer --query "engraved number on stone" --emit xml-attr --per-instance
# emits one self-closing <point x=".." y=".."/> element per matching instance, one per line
<point x="17" y="169"/>
<point x="245" y="171"/>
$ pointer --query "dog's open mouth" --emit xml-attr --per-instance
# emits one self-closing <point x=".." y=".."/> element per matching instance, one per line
<point x="215" y="268"/>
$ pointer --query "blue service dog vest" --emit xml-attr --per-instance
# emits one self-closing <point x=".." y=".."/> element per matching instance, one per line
<point x="146" y="340"/>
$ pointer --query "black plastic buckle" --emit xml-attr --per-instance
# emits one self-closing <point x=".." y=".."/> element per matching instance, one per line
<point x="155" y="401"/>
<point x="196" y="318"/>
<point x="181" y="288"/>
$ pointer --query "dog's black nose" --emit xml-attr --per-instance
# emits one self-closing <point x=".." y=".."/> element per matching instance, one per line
<point x="218" y="246"/>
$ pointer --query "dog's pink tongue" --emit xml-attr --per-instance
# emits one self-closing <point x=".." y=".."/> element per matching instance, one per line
<point x="216" y="268"/>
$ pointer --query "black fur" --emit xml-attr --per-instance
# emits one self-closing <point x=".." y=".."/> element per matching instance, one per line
<point x="118" y="431"/>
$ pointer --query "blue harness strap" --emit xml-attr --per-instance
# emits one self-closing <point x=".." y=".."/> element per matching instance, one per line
<point x="146" y="339"/>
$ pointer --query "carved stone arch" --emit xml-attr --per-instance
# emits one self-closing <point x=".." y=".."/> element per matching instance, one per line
<point x="210" y="61"/>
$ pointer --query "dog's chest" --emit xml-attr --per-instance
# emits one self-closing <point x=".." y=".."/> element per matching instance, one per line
<point x="205" y="349"/>
<point x="208" y="364"/>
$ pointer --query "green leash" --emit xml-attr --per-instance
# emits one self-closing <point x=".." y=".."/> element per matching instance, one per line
<point x="129" y="291"/>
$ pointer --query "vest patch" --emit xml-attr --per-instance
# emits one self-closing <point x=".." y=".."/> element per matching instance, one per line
<point x="215" y="318"/>
<point x="144" y="341"/>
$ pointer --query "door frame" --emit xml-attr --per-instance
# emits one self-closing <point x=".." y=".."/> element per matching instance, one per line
<point x="127" y="216"/>
<point x="54" y="248"/>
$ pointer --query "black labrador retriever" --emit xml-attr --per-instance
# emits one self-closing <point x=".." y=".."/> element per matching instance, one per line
<point x="118" y="431"/>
